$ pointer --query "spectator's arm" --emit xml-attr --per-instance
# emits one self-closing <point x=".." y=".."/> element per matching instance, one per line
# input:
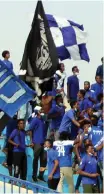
<point x="83" y="173"/>
<point x="76" y="151"/>
<point x="76" y="123"/>
<point x="99" y="147"/>
<point x="12" y="142"/>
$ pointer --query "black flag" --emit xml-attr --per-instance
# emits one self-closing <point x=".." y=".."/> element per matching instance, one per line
<point x="40" y="60"/>
<point x="4" y="118"/>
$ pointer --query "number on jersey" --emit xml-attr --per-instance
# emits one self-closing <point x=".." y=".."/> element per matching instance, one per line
<point x="61" y="151"/>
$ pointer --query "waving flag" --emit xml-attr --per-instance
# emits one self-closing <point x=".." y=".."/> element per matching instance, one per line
<point x="40" y="60"/>
<point x="13" y="92"/>
<point x="69" y="37"/>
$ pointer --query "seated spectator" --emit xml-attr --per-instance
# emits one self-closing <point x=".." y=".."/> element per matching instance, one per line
<point x="83" y="102"/>
<point x="90" y="94"/>
<point x="99" y="103"/>
<point x="88" y="113"/>
<point x="96" y="132"/>
<point x="99" y="147"/>
<point x="6" y="56"/>
<point x="98" y="86"/>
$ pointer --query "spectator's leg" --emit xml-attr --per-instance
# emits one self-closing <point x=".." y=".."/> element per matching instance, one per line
<point x="52" y="184"/>
<point x="60" y="185"/>
<point x="78" y="182"/>
<point x="95" y="189"/>
<point x="43" y="161"/>
<point x="68" y="173"/>
<point x="16" y="161"/>
<point x="23" y="170"/>
<point x="37" y="150"/>
<point x="87" y="188"/>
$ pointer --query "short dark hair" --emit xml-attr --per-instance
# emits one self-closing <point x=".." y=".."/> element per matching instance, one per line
<point x="87" y="146"/>
<point x="19" y="120"/>
<point x="58" y="96"/>
<point x="59" y="66"/>
<point x="99" y="97"/>
<point x="86" y="82"/>
<point x="72" y="103"/>
<point x="95" y="120"/>
<point x="50" y="141"/>
<point x="82" y="92"/>
<point x="85" y="122"/>
<point x="97" y="76"/>
<point x="4" y="53"/>
<point x="73" y="68"/>
<point x="64" y="135"/>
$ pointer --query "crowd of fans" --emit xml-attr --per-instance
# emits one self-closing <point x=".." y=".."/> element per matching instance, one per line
<point x="66" y="142"/>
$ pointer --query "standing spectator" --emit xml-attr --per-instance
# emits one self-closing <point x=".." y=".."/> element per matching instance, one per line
<point x="6" y="56"/>
<point x="56" y="114"/>
<point x="12" y="125"/>
<point x="53" y="165"/>
<point x="69" y="118"/>
<point x="98" y="86"/>
<point x="38" y="134"/>
<point x="90" y="94"/>
<point x="99" y="71"/>
<point x="88" y="170"/>
<point x="64" y="148"/>
<point x="73" y="84"/>
<point x="60" y="77"/>
<point x="17" y="139"/>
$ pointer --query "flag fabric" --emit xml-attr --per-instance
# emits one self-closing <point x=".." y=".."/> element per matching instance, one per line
<point x="69" y="37"/>
<point x="13" y="91"/>
<point x="40" y="60"/>
<point x="4" y="118"/>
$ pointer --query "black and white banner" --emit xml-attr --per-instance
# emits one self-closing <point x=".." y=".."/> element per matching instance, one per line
<point x="40" y="60"/>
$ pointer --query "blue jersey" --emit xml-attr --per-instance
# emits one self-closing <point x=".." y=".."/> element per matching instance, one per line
<point x="67" y="121"/>
<point x="95" y="134"/>
<point x="51" y="157"/>
<point x="88" y="164"/>
<point x="64" y="149"/>
<point x="100" y="153"/>
<point x="55" y="122"/>
<point x="8" y="64"/>
<point x="73" y="85"/>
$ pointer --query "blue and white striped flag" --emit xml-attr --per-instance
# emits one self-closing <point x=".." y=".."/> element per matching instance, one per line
<point x="69" y="37"/>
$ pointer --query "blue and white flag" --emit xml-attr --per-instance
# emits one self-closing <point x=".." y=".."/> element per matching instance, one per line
<point x="13" y="91"/>
<point x="69" y="37"/>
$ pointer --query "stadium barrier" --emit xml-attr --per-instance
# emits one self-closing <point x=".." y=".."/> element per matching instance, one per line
<point x="13" y="185"/>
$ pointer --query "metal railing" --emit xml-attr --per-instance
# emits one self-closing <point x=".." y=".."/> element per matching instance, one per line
<point x="35" y="188"/>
